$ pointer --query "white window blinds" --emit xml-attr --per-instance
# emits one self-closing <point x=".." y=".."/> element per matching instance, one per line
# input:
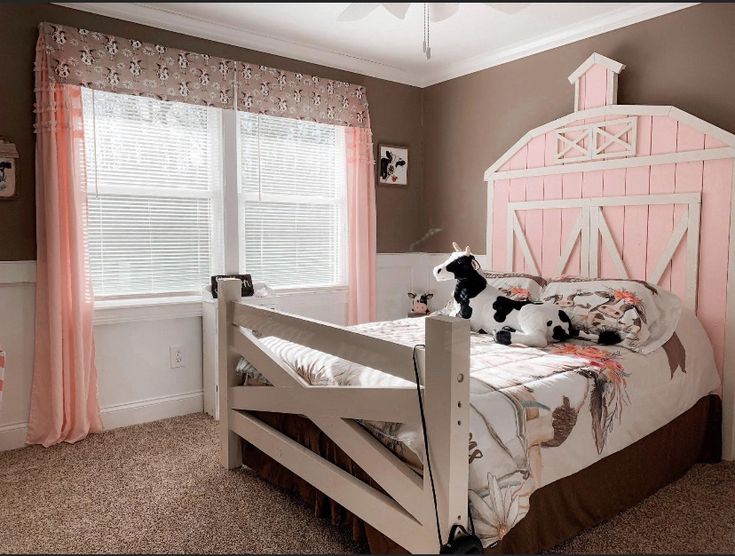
<point x="154" y="186"/>
<point x="293" y="223"/>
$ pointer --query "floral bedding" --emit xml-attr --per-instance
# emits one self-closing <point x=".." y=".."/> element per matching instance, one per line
<point x="642" y="314"/>
<point x="536" y="415"/>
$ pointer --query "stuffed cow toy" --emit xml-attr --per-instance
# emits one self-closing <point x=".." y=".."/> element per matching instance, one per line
<point x="419" y="303"/>
<point x="510" y="321"/>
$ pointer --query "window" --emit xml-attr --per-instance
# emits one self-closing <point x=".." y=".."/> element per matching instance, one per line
<point x="154" y="175"/>
<point x="293" y="222"/>
<point x="155" y="178"/>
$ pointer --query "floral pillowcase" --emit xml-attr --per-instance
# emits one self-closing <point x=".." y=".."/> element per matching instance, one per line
<point x="644" y="315"/>
<point x="517" y="286"/>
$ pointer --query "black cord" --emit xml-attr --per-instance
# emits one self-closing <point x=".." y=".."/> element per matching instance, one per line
<point x="426" y="442"/>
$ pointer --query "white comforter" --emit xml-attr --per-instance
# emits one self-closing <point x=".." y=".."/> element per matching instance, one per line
<point x="536" y="415"/>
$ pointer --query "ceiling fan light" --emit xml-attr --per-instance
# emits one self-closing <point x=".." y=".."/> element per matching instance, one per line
<point x="443" y="10"/>
<point x="508" y="8"/>
<point x="398" y="9"/>
<point x="357" y="11"/>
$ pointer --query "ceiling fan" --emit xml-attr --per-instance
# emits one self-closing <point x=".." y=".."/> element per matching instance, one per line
<point x="433" y="13"/>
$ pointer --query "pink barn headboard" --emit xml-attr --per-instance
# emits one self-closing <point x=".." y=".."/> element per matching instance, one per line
<point x="610" y="190"/>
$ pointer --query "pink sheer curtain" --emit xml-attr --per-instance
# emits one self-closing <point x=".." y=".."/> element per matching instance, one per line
<point x="362" y="226"/>
<point x="64" y="405"/>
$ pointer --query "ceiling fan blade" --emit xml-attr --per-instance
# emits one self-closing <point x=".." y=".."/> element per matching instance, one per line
<point x="444" y="10"/>
<point x="357" y="10"/>
<point x="398" y="9"/>
<point x="509" y="8"/>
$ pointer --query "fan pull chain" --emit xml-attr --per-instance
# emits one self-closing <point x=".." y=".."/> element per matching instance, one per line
<point x="424" y="28"/>
<point x="427" y="29"/>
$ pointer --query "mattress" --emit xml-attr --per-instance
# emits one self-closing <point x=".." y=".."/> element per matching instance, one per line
<point x="537" y="415"/>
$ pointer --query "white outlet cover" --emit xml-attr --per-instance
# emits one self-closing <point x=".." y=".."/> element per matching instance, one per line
<point x="176" y="356"/>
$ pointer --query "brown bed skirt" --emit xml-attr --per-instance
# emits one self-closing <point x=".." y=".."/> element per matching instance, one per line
<point x="558" y="511"/>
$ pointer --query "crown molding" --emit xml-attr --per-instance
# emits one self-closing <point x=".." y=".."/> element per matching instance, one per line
<point x="572" y="33"/>
<point x="162" y="18"/>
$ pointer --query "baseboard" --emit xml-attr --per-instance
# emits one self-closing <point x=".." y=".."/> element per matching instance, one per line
<point x="152" y="409"/>
<point x="13" y="436"/>
<point x="120" y="415"/>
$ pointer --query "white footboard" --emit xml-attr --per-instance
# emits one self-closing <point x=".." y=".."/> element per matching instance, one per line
<point x="406" y="512"/>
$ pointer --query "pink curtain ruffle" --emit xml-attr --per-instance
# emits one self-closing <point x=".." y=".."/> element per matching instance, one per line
<point x="64" y="406"/>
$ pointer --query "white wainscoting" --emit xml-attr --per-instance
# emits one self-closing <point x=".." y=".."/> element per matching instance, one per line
<point x="400" y="273"/>
<point x="17" y="284"/>
<point x="136" y="383"/>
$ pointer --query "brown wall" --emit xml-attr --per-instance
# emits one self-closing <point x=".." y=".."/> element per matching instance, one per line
<point x="395" y="112"/>
<point x="458" y="127"/>
<point x="685" y="59"/>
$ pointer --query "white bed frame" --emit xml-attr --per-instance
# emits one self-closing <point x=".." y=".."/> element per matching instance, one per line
<point x="405" y="512"/>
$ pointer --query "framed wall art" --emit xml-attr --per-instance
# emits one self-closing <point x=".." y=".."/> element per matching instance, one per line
<point x="8" y="172"/>
<point x="393" y="165"/>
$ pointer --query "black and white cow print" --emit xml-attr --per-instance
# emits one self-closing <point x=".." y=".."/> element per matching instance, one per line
<point x="388" y="164"/>
<point x="4" y="165"/>
<point x="420" y="303"/>
<point x="510" y="321"/>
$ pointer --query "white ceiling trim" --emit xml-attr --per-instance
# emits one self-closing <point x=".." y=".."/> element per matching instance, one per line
<point x="166" y="19"/>
<point x="578" y="31"/>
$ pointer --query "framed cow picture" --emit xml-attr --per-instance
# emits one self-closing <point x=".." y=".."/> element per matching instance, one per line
<point x="8" y="161"/>
<point x="392" y="165"/>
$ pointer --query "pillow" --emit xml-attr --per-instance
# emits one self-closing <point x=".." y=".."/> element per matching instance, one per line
<point x="644" y="315"/>
<point x="517" y="286"/>
<point x="451" y="309"/>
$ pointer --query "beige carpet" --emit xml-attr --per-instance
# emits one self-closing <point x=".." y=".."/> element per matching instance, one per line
<point x="159" y="488"/>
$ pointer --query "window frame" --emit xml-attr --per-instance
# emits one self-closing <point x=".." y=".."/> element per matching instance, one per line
<point x="213" y="194"/>
<point x="225" y="201"/>
<point x="339" y="201"/>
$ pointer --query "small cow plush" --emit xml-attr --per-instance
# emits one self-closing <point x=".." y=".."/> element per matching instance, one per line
<point x="419" y="303"/>
<point x="530" y="323"/>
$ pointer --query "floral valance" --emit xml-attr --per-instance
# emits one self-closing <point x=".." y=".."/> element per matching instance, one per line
<point x="110" y="63"/>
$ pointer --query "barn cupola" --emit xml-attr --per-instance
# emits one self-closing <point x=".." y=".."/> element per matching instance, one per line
<point x="596" y="82"/>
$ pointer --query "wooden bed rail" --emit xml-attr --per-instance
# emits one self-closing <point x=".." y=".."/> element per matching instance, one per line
<point x="389" y="357"/>
<point x="404" y="509"/>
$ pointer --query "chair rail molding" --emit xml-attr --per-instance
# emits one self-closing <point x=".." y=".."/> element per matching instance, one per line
<point x="17" y="272"/>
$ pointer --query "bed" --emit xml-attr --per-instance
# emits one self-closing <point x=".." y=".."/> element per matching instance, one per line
<point x="534" y="418"/>
<point x="559" y="438"/>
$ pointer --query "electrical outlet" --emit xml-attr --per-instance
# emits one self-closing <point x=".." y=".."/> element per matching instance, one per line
<point x="176" y="356"/>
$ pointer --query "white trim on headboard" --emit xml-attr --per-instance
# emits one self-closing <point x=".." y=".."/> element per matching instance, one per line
<point x="616" y="163"/>
<point x="592" y="227"/>
<point x="613" y="110"/>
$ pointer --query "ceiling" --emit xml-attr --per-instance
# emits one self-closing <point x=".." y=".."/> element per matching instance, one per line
<point x="381" y="45"/>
